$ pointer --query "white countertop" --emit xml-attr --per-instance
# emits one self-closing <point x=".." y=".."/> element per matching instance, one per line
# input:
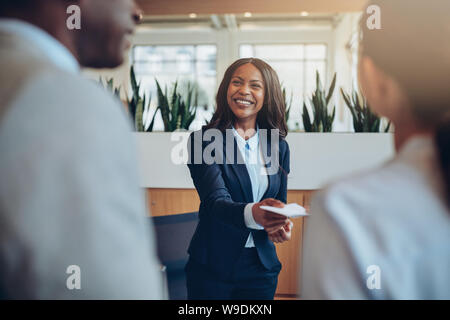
<point x="316" y="158"/>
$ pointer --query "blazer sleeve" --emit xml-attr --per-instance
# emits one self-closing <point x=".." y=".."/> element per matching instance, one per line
<point x="285" y="169"/>
<point x="214" y="195"/>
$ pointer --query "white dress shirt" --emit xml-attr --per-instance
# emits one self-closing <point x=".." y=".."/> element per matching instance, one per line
<point x="252" y="153"/>
<point x="51" y="48"/>
<point x="383" y="234"/>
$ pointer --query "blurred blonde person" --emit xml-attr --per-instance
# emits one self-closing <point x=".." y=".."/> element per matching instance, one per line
<point x="385" y="234"/>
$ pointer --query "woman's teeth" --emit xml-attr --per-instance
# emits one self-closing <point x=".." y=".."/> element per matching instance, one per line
<point x="244" y="102"/>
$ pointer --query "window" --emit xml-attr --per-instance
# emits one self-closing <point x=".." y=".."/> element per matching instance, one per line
<point x="296" y="66"/>
<point x="185" y="63"/>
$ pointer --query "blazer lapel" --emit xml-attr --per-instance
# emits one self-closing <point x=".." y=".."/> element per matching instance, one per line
<point x="239" y="168"/>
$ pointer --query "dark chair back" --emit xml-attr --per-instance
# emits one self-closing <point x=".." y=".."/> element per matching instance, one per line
<point x="173" y="235"/>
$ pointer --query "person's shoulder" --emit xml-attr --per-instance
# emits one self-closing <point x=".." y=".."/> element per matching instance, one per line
<point x="284" y="145"/>
<point x="72" y="85"/>
<point x="385" y="193"/>
<point x="379" y="213"/>
<point x="357" y="209"/>
<point x="58" y="91"/>
<point x="363" y="186"/>
<point x="53" y="106"/>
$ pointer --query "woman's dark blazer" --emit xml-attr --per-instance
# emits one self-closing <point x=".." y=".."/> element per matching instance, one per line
<point x="224" y="190"/>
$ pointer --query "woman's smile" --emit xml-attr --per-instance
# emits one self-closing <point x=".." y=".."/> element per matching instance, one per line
<point x="243" y="103"/>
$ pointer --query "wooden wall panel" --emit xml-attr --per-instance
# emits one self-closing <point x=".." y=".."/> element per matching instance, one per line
<point x="163" y="202"/>
<point x="290" y="253"/>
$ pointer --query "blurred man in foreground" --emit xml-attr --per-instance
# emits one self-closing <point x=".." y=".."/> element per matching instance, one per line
<point x="72" y="217"/>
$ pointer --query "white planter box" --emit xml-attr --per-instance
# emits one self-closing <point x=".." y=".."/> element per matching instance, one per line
<point x="316" y="158"/>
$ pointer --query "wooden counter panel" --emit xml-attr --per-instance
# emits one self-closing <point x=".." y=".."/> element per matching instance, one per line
<point x="164" y="202"/>
<point x="290" y="252"/>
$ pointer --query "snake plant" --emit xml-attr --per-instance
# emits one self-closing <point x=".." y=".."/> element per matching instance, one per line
<point x="138" y="106"/>
<point x="323" y="121"/>
<point x="177" y="113"/>
<point x="364" y="120"/>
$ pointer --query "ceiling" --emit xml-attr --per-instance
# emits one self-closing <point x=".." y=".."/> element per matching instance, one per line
<point x="234" y="21"/>
<point x="206" y="7"/>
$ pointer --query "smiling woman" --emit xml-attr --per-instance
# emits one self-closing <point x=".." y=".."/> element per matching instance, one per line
<point x="232" y="253"/>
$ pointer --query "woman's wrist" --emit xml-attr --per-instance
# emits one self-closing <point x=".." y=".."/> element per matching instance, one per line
<point x="249" y="217"/>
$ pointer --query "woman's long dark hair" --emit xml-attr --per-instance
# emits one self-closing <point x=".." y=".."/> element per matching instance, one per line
<point x="271" y="115"/>
<point x="413" y="46"/>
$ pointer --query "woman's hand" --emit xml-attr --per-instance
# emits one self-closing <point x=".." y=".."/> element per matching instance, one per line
<point x="283" y="234"/>
<point x="269" y="220"/>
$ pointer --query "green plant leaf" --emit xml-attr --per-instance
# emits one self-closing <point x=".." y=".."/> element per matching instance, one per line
<point x="318" y="82"/>
<point x="306" y="119"/>
<point x="150" y="127"/>
<point x="364" y="120"/>
<point x="331" y="90"/>
<point x="163" y="105"/>
<point x="175" y="113"/>
<point x="138" y="123"/>
<point x="319" y="102"/>
<point x="388" y="127"/>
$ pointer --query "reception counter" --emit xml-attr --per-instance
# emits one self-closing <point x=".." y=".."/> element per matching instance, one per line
<point x="316" y="160"/>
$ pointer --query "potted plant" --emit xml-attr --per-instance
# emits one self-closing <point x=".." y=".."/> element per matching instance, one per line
<point x="177" y="112"/>
<point x="139" y="105"/>
<point x="364" y="120"/>
<point x="322" y="120"/>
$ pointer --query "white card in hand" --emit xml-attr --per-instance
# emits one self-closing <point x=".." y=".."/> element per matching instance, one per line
<point x="291" y="210"/>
